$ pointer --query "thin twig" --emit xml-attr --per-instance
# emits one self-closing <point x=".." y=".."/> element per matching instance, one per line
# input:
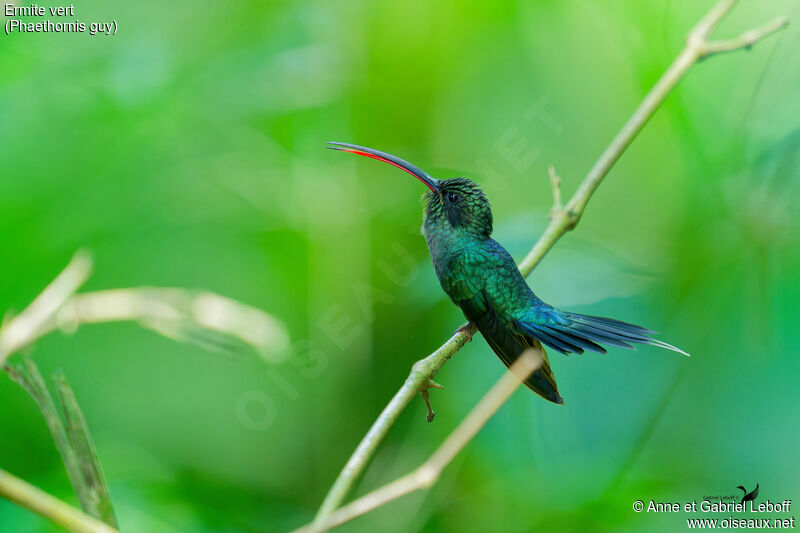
<point x="204" y="318"/>
<point x="747" y="39"/>
<point x="562" y="220"/>
<point x="17" y="332"/>
<point x="430" y="471"/>
<point x="555" y="184"/>
<point x="34" y="499"/>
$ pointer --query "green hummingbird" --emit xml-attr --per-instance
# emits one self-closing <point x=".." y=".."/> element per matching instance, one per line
<point x="483" y="280"/>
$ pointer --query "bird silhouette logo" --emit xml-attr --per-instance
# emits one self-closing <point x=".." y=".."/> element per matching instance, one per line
<point x="748" y="496"/>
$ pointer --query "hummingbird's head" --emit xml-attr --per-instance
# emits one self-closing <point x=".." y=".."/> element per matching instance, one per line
<point x="461" y="204"/>
<point x="458" y="202"/>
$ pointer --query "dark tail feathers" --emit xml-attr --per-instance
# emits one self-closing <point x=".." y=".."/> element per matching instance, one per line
<point x="586" y="332"/>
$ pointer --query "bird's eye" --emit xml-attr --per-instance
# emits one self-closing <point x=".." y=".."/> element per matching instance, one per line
<point x="453" y="197"/>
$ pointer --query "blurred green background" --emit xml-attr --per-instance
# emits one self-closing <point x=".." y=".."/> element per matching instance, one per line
<point x="186" y="151"/>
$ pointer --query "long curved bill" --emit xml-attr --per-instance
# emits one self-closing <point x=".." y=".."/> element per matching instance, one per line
<point x="421" y="175"/>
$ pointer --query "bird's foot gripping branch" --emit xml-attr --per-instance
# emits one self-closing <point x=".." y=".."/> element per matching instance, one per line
<point x="430" y="384"/>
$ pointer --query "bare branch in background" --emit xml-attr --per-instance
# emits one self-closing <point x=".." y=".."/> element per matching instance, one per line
<point x="428" y="473"/>
<point x="562" y="220"/>
<point x="34" y="499"/>
<point x="18" y="331"/>
<point x="203" y="318"/>
<point x="747" y="39"/>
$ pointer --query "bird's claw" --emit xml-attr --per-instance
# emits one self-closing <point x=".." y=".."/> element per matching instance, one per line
<point x="465" y="329"/>
<point x="431" y="414"/>
<point x="430" y="384"/>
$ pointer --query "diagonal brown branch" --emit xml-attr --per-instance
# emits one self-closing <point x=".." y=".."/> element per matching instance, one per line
<point x="562" y="220"/>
